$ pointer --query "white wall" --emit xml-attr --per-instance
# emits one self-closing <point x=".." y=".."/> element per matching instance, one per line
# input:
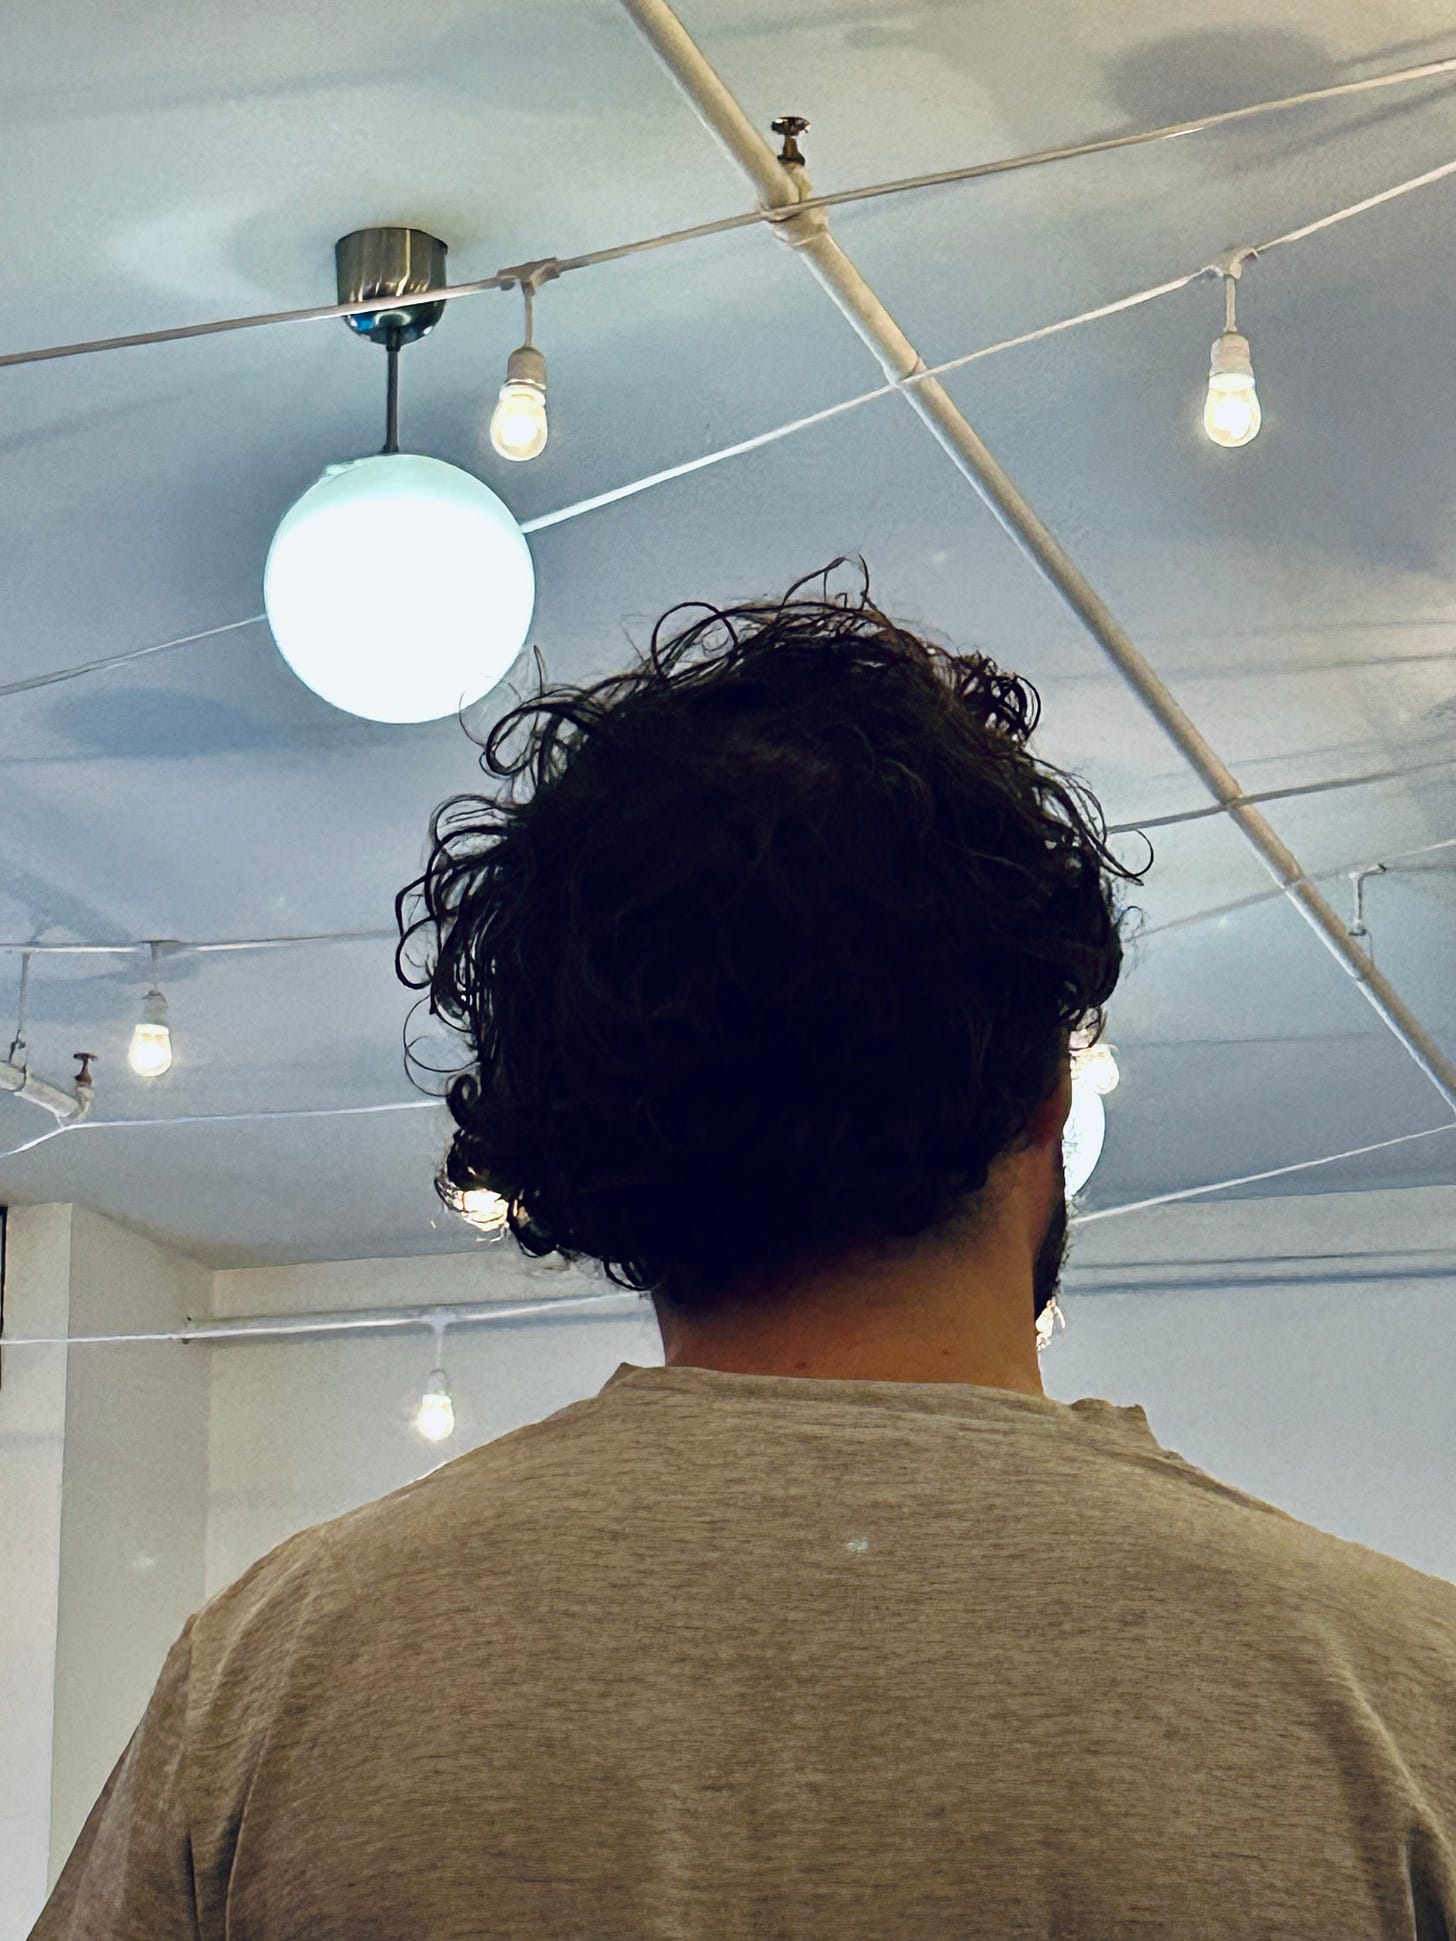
<point x="103" y="1514"/>
<point x="32" y="1445"/>
<point x="305" y="1429"/>
<point x="1293" y="1347"/>
<point x="134" y="1509"/>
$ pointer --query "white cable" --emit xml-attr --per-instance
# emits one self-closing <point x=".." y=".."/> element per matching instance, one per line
<point x="226" y="1118"/>
<point x="1270" y="896"/>
<point x="709" y="458"/>
<point x="818" y="417"/>
<point x="117" y="660"/>
<point x="301" y="1112"/>
<point x="506" y="279"/>
<point x="969" y="357"/>
<point x="1114" y="829"/>
<point x="341" y="1325"/>
<point x="762" y="438"/>
<point x="1182" y="282"/>
<point x="412" y="1105"/>
<point x="1358" y="208"/>
<point x="40" y="1139"/>
<point x="1276" y="795"/>
<point x="232" y="943"/>
<point x="1249" y="1179"/>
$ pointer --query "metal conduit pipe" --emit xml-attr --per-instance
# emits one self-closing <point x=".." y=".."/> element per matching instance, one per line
<point x="457" y="1314"/>
<point x="808" y="233"/>
<point x="67" y="1107"/>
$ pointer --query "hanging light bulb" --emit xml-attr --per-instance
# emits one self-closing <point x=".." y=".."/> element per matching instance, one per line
<point x="477" y="1204"/>
<point x="435" y="1417"/>
<point x="398" y="588"/>
<point x="518" y="423"/>
<point x="1097" y="1065"/>
<point x="1231" y="414"/>
<point x="151" y="1043"/>
<point x="484" y="1209"/>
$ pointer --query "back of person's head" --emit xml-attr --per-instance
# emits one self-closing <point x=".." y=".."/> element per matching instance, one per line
<point x="783" y="949"/>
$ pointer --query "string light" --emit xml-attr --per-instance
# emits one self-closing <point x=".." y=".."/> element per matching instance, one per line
<point x="1232" y="417"/>
<point x="1231" y="414"/>
<point x="1097" y="1065"/>
<point x="518" y="423"/>
<point x="506" y="279"/>
<point x="484" y="1210"/>
<point x="151" y="1043"/>
<point x="435" y="1416"/>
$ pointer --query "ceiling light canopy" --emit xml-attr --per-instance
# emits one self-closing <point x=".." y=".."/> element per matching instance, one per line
<point x="398" y="588"/>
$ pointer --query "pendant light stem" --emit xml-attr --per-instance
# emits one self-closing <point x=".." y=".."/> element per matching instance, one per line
<point x="391" y="401"/>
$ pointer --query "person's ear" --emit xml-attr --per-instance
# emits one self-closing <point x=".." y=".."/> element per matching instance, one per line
<point x="1044" y="1128"/>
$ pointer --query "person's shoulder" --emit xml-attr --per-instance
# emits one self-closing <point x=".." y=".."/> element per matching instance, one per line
<point x="322" y="1566"/>
<point x="1390" y="1610"/>
<point x="270" y="1597"/>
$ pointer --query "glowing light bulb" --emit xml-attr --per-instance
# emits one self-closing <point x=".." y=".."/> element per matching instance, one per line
<point x="151" y="1043"/>
<point x="518" y="423"/>
<point x="1097" y="1065"/>
<point x="483" y="1209"/>
<point x="1231" y="414"/>
<point x="435" y="1417"/>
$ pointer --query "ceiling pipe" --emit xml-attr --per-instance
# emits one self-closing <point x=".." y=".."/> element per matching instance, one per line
<point x="456" y="1314"/>
<point x="69" y="1108"/>
<point x="779" y="188"/>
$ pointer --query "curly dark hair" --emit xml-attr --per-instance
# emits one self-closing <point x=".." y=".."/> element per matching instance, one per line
<point x="783" y="950"/>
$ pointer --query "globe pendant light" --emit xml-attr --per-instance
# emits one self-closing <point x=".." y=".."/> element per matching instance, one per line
<point x="1094" y="1075"/>
<point x="398" y="588"/>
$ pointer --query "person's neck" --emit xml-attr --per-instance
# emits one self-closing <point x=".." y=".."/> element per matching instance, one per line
<point x="962" y="1321"/>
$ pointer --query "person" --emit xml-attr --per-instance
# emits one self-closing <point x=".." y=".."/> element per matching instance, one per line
<point x="834" y="1624"/>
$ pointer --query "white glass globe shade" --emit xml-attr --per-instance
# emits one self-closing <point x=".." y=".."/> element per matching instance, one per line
<point x="399" y="588"/>
<point x="1083" y="1134"/>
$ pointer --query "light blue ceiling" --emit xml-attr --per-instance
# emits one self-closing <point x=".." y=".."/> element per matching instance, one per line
<point x="171" y="163"/>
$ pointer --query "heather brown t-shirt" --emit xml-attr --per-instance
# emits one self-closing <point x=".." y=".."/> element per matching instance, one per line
<point x="708" y="1656"/>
